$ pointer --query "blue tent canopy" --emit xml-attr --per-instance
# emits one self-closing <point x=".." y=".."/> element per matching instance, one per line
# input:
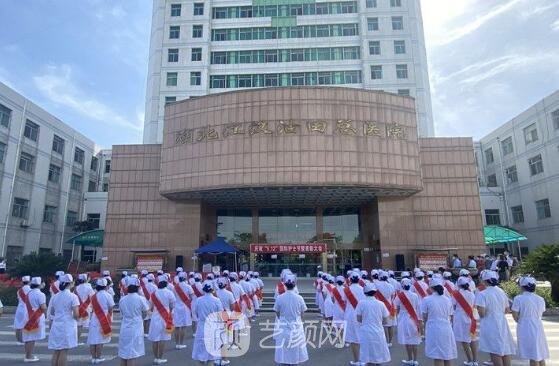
<point x="218" y="246"/>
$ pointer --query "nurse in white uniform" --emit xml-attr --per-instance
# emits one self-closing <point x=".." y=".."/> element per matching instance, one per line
<point x="204" y="306"/>
<point x="463" y="325"/>
<point x="64" y="329"/>
<point x="371" y="315"/>
<point x="527" y="310"/>
<point x="84" y="292"/>
<point x="352" y="295"/>
<point x="388" y="292"/>
<point x="161" y="326"/>
<point x="20" y="317"/>
<point x="436" y="308"/>
<point x="493" y="304"/>
<point x="182" y="313"/>
<point x="38" y="303"/>
<point x="291" y="346"/>
<point x="409" y="321"/>
<point x="96" y="336"/>
<point x="133" y="309"/>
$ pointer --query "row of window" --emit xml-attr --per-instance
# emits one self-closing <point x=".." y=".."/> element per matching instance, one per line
<point x="535" y="164"/>
<point x="197" y="9"/>
<point x="399" y="47"/>
<point x="285" y="79"/>
<point x="377" y="72"/>
<point x="543" y="211"/>
<point x="302" y="31"/>
<point x="286" y="55"/>
<point x="286" y="10"/>
<point x="20" y="209"/>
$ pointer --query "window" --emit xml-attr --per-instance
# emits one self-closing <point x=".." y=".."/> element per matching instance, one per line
<point x="172" y="78"/>
<point x="351" y="53"/>
<point x="31" y="130"/>
<point x="195" y="78"/>
<point x="543" y="210"/>
<point x="371" y="3"/>
<point x="244" y="81"/>
<point x="492" y="180"/>
<point x="517" y="214"/>
<point x="397" y="23"/>
<point x="217" y="81"/>
<point x="349" y="30"/>
<point x="49" y="214"/>
<point x="376" y="72"/>
<point x="20" y="208"/>
<point x="196" y="54"/>
<point x="79" y="155"/>
<point x="219" y="58"/>
<point x="198" y="8"/>
<point x="105" y="187"/>
<point x="5" y="115"/>
<point x="402" y="71"/>
<point x="26" y="162"/>
<point x="174" y="32"/>
<point x="348" y="7"/>
<point x="246" y="12"/>
<point x="404" y="92"/>
<point x="297" y="55"/>
<point x="506" y="146"/>
<point x="322" y="31"/>
<point x="76" y="182"/>
<point x="395" y="3"/>
<point x="54" y="173"/>
<point x="197" y="31"/>
<point x="219" y="13"/>
<point x="489" y="159"/>
<point x="531" y="134"/>
<point x="374" y="47"/>
<point x="295" y="10"/>
<point x="2" y="152"/>
<point x="270" y="80"/>
<point x="71" y="218"/>
<point x="536" y="165"/>
<point x="107" y="166"/>
<point x="554" y="118"/>
<point x="492" y="217"/>
<point x="92" y="186"/>
<point x="175" y="10"/>
<point x="511" y="173"/>
<point x="270" y="56"/>
<point x="298" y="79"/>
<point x="170" y="100"/>
<point x="219" y="34"/>
<point x="93" y="219"/>
<point x="94" y="164"/>
<point x="173" y="55"/>
<point x="324" y="78"/>
<point x="399" y="47"/>
<point x="245" y="57"/>
<point x="58" y="144"/>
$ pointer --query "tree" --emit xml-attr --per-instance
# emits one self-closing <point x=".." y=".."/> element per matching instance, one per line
<point x="37" y="264"/>
<point x="544" y="261"/>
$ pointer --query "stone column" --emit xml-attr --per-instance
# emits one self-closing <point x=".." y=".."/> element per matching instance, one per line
<point x="255" y="235"/>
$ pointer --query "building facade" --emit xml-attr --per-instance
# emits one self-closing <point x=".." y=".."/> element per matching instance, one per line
<point x="45" y="169"/>
<point x="298" y="176"/>
<point x="519" y="173"/>
<point x="200" y="48"/>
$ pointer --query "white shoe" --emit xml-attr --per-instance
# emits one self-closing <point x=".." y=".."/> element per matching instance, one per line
<point x="93" y="361"/>
<point x="416" y="363"/>
<point x="99" y="360"/>
<point x="80" y="344"/>
<point x="33" y="359"/>
<point x="161" y="361"/>
<point x="389" y="345"/>
<point x="346" y="345"/>
<point x="145" y="335"/>
<point x="407" y="362"/>
<point x="488" y="363"/>
<point x="20" y="343"/>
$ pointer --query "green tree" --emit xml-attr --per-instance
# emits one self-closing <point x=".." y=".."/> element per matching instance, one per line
<point x="544" y="262"/>
<point x="37" y="264"/>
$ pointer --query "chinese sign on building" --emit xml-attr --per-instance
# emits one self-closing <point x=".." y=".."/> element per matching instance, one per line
<point x="432" y="261"/>
<point x="289" y="248"/>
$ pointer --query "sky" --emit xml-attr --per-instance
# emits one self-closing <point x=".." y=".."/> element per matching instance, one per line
<point x="86" y="61"/>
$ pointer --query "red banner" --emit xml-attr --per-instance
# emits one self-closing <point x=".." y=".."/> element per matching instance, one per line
<point x="289" y="248"/>
<point x="432" y="261"/>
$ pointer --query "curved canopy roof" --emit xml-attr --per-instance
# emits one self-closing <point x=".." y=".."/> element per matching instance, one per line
<point x="497" y="234"/>
<point x="92" y="238"/>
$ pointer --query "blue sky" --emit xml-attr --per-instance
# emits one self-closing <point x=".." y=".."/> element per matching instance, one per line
<point x="86" y="61"/>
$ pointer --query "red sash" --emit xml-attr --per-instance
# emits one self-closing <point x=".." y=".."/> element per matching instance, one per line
<point x="54" y="289"/>
<point x="165" y="314"/>
<point x="33" y="316"/>
<point x="123" y="289"/>
<point x="82" y="309"/>
<point x="144" y="289"/>
<point x="196" y="291"/>
<point x="247" y="301"/>
<point x="350" y="297"/>
<point x="449" y="288"/>
<point x="281" y="288"/>
<point x="104" y="319"/>
<point x="386" y="303"/>
<point x="259" y="293"/>
<point x="338" y="297"/>
<point x="237" y="305"/>
<point x="481" y="287"/>
<point x="361" y="283"/>
<point x="467" y="309"/>
<point x="419" y="289"/>
<point x="183" y="296"/>
<point x="426" y="279"/>
<point x="409" y="308"/>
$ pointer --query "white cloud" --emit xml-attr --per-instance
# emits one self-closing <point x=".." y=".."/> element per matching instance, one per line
<point x="57" y="84"/>
<point x="555" y="25"/>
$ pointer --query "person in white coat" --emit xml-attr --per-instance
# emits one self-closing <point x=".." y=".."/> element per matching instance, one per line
<point x="53" y="290"/>
<point x="64" y="328"/>
<point x="20" y="317"/>
<point x="161" y="326"/>
<point x="182" y="312"/>
<point x="527" y="309"/>
<point x="34" y="327"/>
<point x="465" y="320"/>
<point x="291" y="346"/>
<point x="100" y="330"/>
<point x="409" y="321"/>
<point x="436" y="309"/>
<point x="352" y="295"/>
<point x="204" y="307"/>
<point x="371" y="315"/>
<point x="493" y="304"/>
<point x="388" y="293"/>
<point x="228" y="303"/>
<point x="133" y="308"/>
<point x="84" y="291"/>
<point x="338" y="312"/>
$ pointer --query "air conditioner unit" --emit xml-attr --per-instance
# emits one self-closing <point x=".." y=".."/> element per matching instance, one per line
<point x="24" y="224"/>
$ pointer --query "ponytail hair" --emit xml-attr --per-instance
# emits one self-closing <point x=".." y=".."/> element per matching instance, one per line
<point x="406" y="288"/>
<point x="492" y="282"/>
<point x="62" y="286"/>
<point x="465" y="286"/>
<point x="438" y="289"/>
<point x="370" y="293"/>
<point x="530" y="288"/>
<point x="162" y="284"/>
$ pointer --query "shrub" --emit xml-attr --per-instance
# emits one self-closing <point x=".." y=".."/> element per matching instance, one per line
<point x="511" y="288"/>
<point x="38" y="264"/>
<point x="544" y="262"/>
<point x="8" y="295"/>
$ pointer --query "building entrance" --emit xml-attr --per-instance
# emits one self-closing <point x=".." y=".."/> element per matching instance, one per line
<point x="270" y="265"/>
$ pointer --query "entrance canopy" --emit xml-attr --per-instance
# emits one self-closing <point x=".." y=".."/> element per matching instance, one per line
<point x="498" y="234"/>
<point x="92" y="238"/>
<point x="218" y="246"/>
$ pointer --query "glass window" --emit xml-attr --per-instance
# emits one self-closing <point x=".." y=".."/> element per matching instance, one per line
<point x="219" y="58"/>
<point x="173" y="55"/>
<point x="26" y="162"/>
<point x="5" y="115"/>
<point x="58" y="144"/>
<point x="105" y="187"/>
<point x="492" y="180"/>
<point x="217" y="81"/>
<point x="517" y="214"/>
<point x="374" y="47"/>
<point x="324" y="78"/>
<point x="349" y="30"/>
<point x="352" y="77"/>
<point x="196" y="54"/>
<point x="94" y="163"/>
<point x="348" y="7"/>
<point x="244" y="81"/>
<point x="71" y="218"/>
<point x="492" y="217"/>
<point x="271" y="56"/>
<point x="198" y="8"/>
<point x="76" y="182"/>
<point x="174" y="32"/>
<point x="297" y="55"/>
<point x="531" y="134"/>
<point x="322" y="8"/>
<point x="175" y="10"/>
<point x="287" y="225"/>
<point x="399" y="47"/>
<point x="296" y="9"/>
<point x="245" y="57"/>
<point x="270" y="80"/>
<point x="219" y="13"/>
<point x="489" y="159"/>
<point x="506" y="146"/>
<point x="322" y="31"/>
<point x="554" y="118"/>
<point x="543" y="210"/>
<point x="376" y="72"/>
<point x="172" y="78"/>
<point x="31" y="130"/>
<point x="2" y="151"/>
<point x="245" y="34"/>
<point x="92" y="186"/>
<point x="298" y="78"/>
<point x="351" y="53"/>
<point x="20" y="208"/>
<point x="170" y="100"/>
<point x="195" y="78"/>
<point x="246" y="12"/>
<point x="219" y="34"/>
<point x="397" y="23"/>
<point x="235" y="225"/>
<point x="93" y="219"/>
<point x="54" y="173"/>
<point x="395" y="3"/>
<point x="107" y="166"/>
<point x="296" y="32"/>
<point x="372" y="24"/>
<point x="371" y="3"/>
<point x="404" y="92"/>
<point x="49" y="214"/>
<point x="197" y="31"/>
<point x="79" y="155"/>
<point x="512" y="174"/>
<point x="402" y="71"/>
<point x="342" y="225"/>
<point x="536" y="165"/>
